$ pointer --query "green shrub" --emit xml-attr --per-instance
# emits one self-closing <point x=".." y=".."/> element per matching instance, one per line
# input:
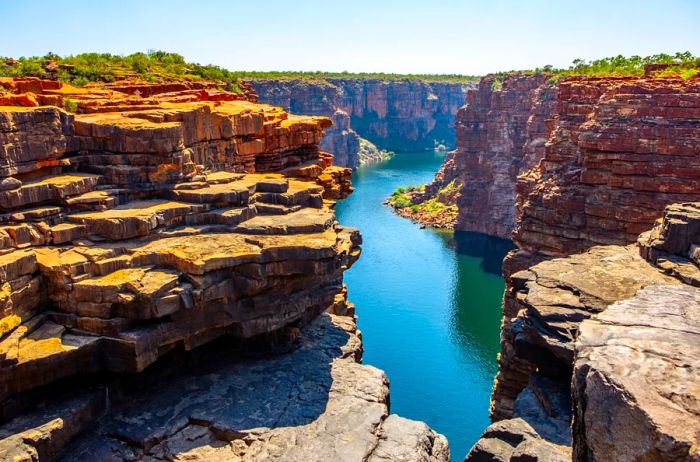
<point x="401" y="202"/>
<point x="153" y="66"/>
<point x="70" y="105"/>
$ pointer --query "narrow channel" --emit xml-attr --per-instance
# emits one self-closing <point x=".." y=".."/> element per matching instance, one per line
<point x="428" y="302"/>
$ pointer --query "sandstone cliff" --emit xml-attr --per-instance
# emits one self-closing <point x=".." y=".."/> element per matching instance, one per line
<point x="395" y="115"/>
<point x="618" y="151"/>
<point x="500" y="134"/>
<point x="157" y="219"/>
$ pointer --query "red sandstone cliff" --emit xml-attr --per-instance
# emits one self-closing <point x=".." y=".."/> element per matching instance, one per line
<point x="152" y="220"/>
<point x="501" y="133"/>
<point x="618" y="151"/>
<point x="621" y="150"/>
<point x="395" y="115"/>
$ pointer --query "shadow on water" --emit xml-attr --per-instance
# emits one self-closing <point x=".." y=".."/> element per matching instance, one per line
<point x="491" y="250"/>
<point x="473" y="314"/>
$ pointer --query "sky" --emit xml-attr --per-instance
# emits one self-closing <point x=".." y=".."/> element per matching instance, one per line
<point x="401" y="36"/>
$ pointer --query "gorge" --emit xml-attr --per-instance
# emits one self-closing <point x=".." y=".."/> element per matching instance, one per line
<point x="576" y="168"/>
<point x="177" y="260"/>
<point x="147" y="241"/>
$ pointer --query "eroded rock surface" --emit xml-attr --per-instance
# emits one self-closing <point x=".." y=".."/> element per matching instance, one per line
<point x="500" y="134"/>
<point x="621" y="150"/>
<point x="315" y="403"/>
<point x="545" y="304"/>
<point x="637" y="378"/>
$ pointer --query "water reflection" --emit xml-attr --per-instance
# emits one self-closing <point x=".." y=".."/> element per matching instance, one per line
<point x="476" y="298"/>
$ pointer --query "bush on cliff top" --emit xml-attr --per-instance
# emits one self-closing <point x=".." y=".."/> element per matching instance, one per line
<point x="682" y="64"/>
<point x="154" y="66"/>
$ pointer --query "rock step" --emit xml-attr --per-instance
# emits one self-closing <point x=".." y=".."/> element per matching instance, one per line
<point x="138" y="218"/>
<point x="302" y="221"/>
<point x="638" y="368"/>
<point x="50" y="189"/>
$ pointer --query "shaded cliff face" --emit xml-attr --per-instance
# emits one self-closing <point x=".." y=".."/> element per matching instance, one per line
<point x="395" y="115"/>
<point x="147" y="226"/>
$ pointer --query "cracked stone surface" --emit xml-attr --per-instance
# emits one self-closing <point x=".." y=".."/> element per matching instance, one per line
<point x="317" y="403"/>
<point x="637" y="378"/>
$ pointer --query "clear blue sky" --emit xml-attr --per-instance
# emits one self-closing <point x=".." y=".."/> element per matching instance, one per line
<point x="406" y="36"/>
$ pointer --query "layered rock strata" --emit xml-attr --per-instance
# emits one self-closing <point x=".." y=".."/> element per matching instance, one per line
<point x="315" y="403"/>
<point x="593" y="160"/>
<point x="395" y="115"/>
<point x="618" y="151"/>
<point x="621" y="150"/>
<point x="154" y="221"/>
<point x="626" y="328"/>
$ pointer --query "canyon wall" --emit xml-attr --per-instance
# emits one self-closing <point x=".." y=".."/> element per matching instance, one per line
<point x="577" y="168"/>
<point x="147" y="238"/>
<point x="500" y="133"/>
<point x="395" y="115"/>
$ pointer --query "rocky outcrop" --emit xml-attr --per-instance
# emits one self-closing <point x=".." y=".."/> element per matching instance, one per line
<point x="147" y="226"/>
<point x="637" y="378"/>
<point x="316" y="403"/>
<point x="626" y="328"/>
<point x="395" y="115"/>
<point x="621" y="150"/>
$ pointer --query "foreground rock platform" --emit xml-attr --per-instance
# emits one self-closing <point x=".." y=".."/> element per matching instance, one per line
<point x="315" y="403"/>
<point x="600" y="352"/>
<point x="637" y="378"/>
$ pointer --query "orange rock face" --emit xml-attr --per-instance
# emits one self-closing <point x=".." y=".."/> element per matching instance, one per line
<point x="146" y="223"/>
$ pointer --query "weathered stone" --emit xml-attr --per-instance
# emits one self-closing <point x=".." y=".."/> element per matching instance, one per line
<point x="316" y="403"/>
<point x="157" y="225"/>
<point x="396" y="115"/>
<point x="637" y="378"/>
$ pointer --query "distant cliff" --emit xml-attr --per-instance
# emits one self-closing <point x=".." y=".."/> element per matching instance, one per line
<point x="394" y="115"/>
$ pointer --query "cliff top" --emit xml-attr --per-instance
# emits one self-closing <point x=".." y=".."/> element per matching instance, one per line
<point x="164" y="67"/>
<point x="321" y="76"/>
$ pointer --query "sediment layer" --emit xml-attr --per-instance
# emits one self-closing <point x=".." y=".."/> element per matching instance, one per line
<point x="618" y="151"/>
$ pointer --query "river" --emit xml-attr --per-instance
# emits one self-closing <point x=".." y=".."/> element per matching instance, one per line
<point x="428" y="304"/>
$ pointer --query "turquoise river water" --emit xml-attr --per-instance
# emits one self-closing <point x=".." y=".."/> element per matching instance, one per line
<point x="428" y="303"/>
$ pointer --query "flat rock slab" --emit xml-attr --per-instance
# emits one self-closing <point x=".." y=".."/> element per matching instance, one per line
<point x="637" y="378"/>
<point x="560" y="293"/>
<point x="306" y="220"/>
<point x="317" y="403"/>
